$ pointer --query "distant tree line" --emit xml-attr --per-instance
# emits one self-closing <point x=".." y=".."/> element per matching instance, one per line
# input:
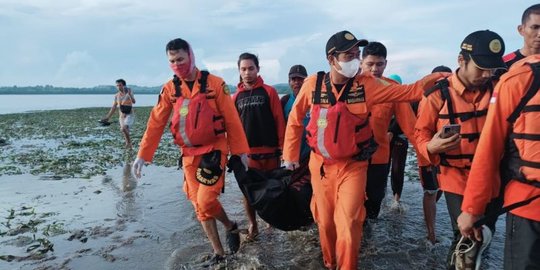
<point x="281" y="88"/>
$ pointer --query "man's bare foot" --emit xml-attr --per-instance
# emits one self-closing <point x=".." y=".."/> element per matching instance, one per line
<point x="253" y="232"/>
<point x="431" y="238"/>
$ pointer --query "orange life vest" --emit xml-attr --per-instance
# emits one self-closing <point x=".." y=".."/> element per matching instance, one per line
<point x="334" y="132"/>
<point x="523" y="145"/>
<point x="470" y="116"/>
<point x="195" y="125"/>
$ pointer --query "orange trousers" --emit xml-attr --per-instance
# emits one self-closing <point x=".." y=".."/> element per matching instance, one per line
<point x="338" y="208"/>
<point x="204" y="198"/>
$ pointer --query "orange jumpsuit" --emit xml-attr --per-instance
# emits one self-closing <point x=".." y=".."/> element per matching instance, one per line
<point x="204" y="198"/>
<point x="484" y="179"/>
<point x="338" y="197"/>
<point x="451" y="179"/>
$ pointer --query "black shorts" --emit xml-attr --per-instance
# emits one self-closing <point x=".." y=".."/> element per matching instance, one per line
<point x="428" y="177"/>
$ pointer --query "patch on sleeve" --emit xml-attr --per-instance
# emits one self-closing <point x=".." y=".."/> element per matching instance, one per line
<point x="493" y="98"/>
<point x="357" y="96"/>
<point x="226" y="89"/>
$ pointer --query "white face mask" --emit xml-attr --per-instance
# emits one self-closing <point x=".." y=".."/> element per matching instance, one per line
<point x="349" y="69"/>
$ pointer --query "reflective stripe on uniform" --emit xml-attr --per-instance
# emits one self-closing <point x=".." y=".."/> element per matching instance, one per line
<point x="182" y="122"/>
<point x="320" y="132"/>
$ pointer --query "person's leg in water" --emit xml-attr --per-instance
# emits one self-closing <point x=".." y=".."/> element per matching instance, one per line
<point x="377" y="179"/>
<point x="265" y="165"/>
<point x="253" y="229"/>
<point x="398" y="154"/>
<point x="428" y="178"/>
<point x="207" y="206"/>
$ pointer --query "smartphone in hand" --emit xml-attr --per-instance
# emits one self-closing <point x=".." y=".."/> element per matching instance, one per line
<point x="450" y="130"/>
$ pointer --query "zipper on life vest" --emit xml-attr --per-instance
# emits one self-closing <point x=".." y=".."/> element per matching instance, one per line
<point x="197" y="115"/>
<point x="337" y="127"/>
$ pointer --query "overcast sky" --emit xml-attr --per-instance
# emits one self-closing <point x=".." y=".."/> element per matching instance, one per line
<point x="84" y="43"/>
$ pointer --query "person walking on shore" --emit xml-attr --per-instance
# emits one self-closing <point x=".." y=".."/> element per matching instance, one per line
<point x="451" y="116"/>
<point x="342" y="141"/>
<point x="509" y="144"/>
<point x="262" y="119"/>
<point x="206" y="126"/>
<point x="124" y="99"/>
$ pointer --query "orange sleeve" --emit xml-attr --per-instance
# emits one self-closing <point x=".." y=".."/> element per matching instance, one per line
<point x="380" y="91"/>
<point x="295" y="127"/>
<point x="236" y="138"/>
<point x="277" y="112"/>
<point x="407" y="119"/>
<point x="426" y="125"/>
<point x="159" y="116"/>
<point x="484" y="177"/>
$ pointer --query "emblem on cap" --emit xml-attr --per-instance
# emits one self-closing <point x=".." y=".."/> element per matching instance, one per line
<point x="349" y="36"/>
<point x="467" y="47"/>
<point x="495" y="46"/>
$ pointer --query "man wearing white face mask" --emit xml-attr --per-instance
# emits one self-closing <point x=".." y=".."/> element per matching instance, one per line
<point x="342" y="141"/>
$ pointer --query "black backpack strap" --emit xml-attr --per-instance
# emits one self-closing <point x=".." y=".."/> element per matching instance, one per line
<point x="331" y="97"/>
<point x="533" y="89"/>
<point x="203" y="80"/>
<point x="177" y="86"/>
<point x="445" y="93"/>
<point x="318" y="85"/>
<point x="442" y="85"/>
<point x="438" y="85"/>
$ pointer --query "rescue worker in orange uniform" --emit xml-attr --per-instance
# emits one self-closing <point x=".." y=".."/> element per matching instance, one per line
<point x="511" y="133"/>
<point x="262" y="118"/>
<point x="461" y="99"/>
<point x="206" y="127"/>
<point x="341" y="139"/>
<point x="374" y="63"/>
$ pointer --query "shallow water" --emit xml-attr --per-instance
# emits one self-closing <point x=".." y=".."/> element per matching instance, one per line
<point x="116" y="222"/>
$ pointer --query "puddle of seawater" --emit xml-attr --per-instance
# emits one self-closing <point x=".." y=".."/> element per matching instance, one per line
<point x="149" y="224"/>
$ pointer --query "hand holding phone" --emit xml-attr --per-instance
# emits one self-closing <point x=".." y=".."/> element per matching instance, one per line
<point x="450" y="130"/>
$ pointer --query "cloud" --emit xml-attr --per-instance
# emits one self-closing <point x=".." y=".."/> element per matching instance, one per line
<point x="75" y="68"/>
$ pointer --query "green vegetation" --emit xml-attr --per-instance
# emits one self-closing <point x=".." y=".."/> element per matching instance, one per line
<point x="281" y="88"/>
<point x="70" y="143"/>
<point x="27" y="228"/>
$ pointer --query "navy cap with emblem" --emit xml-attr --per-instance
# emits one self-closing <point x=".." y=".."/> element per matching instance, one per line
<point x="342" y="42"/>
<point x="486" y="49"/>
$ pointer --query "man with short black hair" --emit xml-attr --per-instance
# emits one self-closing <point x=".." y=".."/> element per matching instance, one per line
<point x="461" y="99"/>
<point x="529" y="29"/>
<point x="124" y="99"/>
<point x="205" y="125"/>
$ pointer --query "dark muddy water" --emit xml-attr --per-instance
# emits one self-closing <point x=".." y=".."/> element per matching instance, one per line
<point x="116" y="222"/>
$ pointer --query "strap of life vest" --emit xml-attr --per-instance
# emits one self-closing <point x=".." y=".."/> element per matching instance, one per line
<point x="531" y="92"/>
<point x="503" y="210"/>
<point x="178" y="83"/>
<point x="533" y="89"/>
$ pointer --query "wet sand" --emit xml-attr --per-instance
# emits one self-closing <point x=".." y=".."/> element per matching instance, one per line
<point x="112" y="221"/>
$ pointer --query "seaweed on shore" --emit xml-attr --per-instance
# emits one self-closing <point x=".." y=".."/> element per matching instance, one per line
<point x="71" y="143"/>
